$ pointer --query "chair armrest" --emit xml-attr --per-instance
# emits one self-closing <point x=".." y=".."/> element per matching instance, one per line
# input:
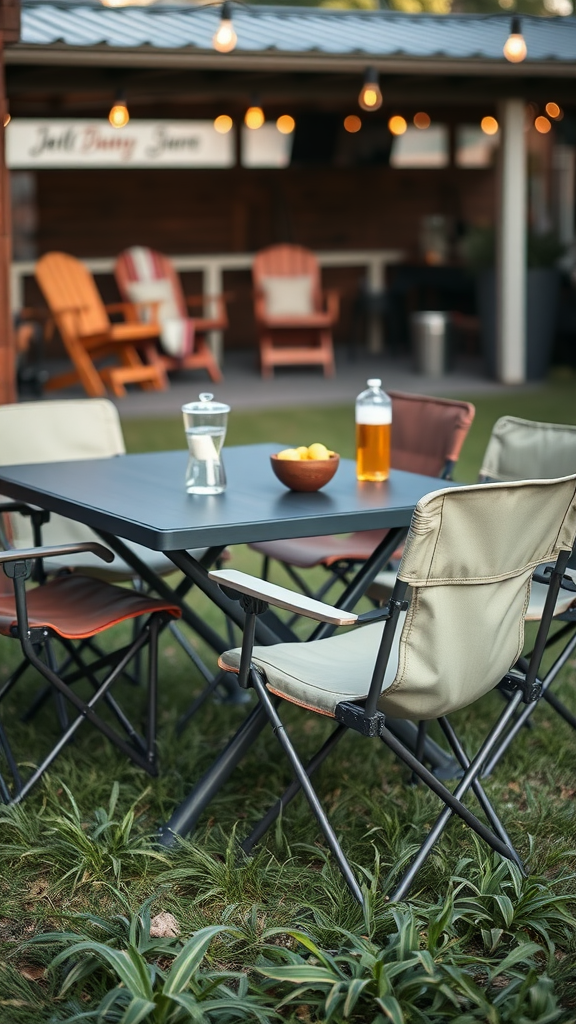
<point x="332" y="299"/>
<point x="17" y="506"/>
<point x="281" y="597"/>
<point x="53" y="550"/>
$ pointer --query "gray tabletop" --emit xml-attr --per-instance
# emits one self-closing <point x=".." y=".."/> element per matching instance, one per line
<point x="142" y="498"/>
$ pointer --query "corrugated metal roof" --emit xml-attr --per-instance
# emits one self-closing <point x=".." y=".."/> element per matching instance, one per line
<point x="293" y="30"/>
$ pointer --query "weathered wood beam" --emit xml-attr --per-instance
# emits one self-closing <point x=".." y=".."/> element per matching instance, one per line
<point x="9" y="33"/>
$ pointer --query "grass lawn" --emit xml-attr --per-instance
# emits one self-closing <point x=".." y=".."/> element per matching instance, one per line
<point x="476" y="942"/>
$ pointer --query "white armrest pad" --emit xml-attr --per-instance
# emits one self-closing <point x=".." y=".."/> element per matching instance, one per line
<point x="281" y="597"/>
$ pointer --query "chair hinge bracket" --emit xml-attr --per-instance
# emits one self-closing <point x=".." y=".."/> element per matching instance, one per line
<point x="36" y="634"/>
<point x="19" y="569"/>
<point x="513" y="681"/>
<point x="382" y="614"/>
<point x="353" y="716"/>
<point x="252" y="605"/>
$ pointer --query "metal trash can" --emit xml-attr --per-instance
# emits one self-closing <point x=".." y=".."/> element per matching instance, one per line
<point x="430" y="342"/>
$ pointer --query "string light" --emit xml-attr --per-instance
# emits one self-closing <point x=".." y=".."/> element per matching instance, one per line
<point x="225" y="39"/>
<point x="489" y="125"/>
<point x="554" y="111"/>
<point x="119" y="115"/>
<point x="285" y="124"/>
<point x="397" y="124"/>
<point x="370" y="97"/>
<point x="254" y="117"/>
<point x="542" y="125"/>
<point x="352" y="123"/>
<point x="515" y="48"/>
<point x="223" y="123"/>
<point x="421" y="120"/>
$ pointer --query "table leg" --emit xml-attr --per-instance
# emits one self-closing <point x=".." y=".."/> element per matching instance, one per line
<point x="186" y="815"/>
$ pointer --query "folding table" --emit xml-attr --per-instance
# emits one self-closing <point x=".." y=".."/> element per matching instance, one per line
<point x="142" y="498"/>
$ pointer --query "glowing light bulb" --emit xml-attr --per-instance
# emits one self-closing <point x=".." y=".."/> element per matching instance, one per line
<point x="489" y="125"/>
<point x="7" y="118"/>
<point x="223" y="123"/>
<point x="225" y="39"/>
<point x="370" y="97"/>
<point x="542" y="125"/>
<point x="285" y="124"/>
<point x="254" y="117"/>
<point x="515" y="48"/>
<point x="119" y="115"/>
<point x="554" y="111"/>
<point x="352" y="123"/>
<point x="397" y="125"/>
<point x="421" y="120"/>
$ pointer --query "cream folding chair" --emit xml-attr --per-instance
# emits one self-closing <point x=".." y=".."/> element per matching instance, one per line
<point x="452" y="631"/>
<point x="527" y="449"/>
<point x="70" y="429"/>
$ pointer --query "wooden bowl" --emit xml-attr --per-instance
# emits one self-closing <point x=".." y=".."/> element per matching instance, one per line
<point x="305" y="474"/>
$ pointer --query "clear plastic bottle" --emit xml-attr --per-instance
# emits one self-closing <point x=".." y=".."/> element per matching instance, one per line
<point x="373" y="428"/>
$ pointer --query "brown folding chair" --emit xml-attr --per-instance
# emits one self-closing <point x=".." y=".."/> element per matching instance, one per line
<point x="294" y="318"/>
<point x="71" y="610"/>
<point x="142" y="272"/>
<point x="427" y="437"/>
<point x="89" y="336"/>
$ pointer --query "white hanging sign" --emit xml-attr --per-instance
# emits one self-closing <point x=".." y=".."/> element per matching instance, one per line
<point x="32" y="143"/>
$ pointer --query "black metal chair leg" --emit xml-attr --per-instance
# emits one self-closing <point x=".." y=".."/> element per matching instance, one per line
<point x="306" y="785"/>
<point x="454" y="800"/>
<point x="528" y="710"/>
<point x="477" y="789"/>
<point x="292" y="790"/>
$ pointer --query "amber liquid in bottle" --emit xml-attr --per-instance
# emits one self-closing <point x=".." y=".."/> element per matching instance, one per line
<point x="373" y="451"/>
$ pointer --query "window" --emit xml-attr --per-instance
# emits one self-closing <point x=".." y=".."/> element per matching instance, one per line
<point x="421" y="147"/>
<point x="473" y="147"/>
<point x="265" y="146"/>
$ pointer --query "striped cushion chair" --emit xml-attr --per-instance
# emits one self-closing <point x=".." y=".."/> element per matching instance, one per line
<point x="148" y="281"/>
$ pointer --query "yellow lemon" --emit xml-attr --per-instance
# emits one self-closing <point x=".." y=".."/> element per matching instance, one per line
<point x="302" y="452"/>
<point x="318" y="451"/>
<point x="290" y="454"/>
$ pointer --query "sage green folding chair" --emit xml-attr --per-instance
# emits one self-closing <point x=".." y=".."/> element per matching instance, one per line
<point x="452" y="631"/>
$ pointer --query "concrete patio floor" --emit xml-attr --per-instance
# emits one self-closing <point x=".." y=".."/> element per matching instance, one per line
<point x="244" y="388"/>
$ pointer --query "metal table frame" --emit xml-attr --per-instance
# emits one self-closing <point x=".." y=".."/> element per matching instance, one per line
<point x="142" y="498"/>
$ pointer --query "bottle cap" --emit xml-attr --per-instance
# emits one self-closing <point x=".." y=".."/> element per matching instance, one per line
<point x="374" y="382"/>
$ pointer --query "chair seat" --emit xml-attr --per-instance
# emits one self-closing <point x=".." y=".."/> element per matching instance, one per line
<point x="320" y="674"/>
<point x="76" y="607"/>
<point x="311" y="320"/>
<point x="305" y="552"/>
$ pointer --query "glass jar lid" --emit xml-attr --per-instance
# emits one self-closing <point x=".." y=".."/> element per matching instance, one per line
<point x="206" y="404"/>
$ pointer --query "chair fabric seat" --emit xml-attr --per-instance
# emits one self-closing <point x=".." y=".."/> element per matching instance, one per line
<point x="76" y="607"/>
<point x="305" y="552"/>
<point x="320" y="674"/>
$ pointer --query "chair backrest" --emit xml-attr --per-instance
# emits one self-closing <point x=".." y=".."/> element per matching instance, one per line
<point x="428" y="433"/>
<point x="143" y="273"/>
<point x="468" y="560"/>
<point x="527" y="450"/>
<point x="84" y="428"/>
<point x="288" y="261"/>
<point x="72" y="296"/>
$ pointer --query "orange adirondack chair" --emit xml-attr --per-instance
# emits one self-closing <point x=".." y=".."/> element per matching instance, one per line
<point x="293" y="316"/>
<point x="88" y="335"/>
<point x="149" y="277"/>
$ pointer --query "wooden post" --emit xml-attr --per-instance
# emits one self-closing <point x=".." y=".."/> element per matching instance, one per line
<point x="511" y="245"/>
<point x="9" y="33"/>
